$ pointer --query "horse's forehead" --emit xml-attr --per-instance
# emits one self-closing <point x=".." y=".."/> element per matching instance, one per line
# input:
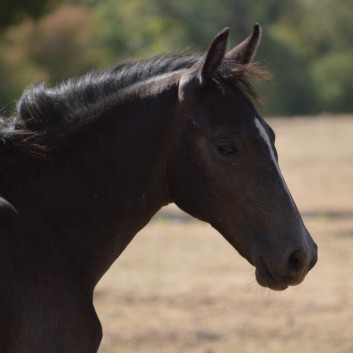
<point x="235" y="111"/>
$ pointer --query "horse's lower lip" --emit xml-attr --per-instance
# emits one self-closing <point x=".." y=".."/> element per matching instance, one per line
<point x="265" y="279"/>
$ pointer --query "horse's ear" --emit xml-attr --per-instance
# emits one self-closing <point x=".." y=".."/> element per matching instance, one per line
<point x="207" y="66"/>
<point x="244" y="52"/>
<point x="214" y="56"/>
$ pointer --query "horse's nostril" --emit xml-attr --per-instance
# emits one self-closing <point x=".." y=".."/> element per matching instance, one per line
<point x="297" y="262"/>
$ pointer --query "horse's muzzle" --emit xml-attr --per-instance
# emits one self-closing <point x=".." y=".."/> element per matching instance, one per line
<point x="290" y="271"/>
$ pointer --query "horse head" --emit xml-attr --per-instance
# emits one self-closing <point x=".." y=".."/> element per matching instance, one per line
<point x="224" y="166"/>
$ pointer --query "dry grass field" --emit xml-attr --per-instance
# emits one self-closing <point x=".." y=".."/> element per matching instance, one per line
<point x="180" y="288"/>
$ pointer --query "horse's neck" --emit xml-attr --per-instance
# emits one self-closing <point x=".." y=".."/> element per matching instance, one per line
<point x="109" y="183"/>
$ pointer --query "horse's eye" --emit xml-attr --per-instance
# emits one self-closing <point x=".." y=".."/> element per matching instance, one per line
<point x="226" y="148"/>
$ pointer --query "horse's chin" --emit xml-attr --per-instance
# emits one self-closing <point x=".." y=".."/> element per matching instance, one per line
<point x="265" y="279"/>
<point x="270" y="283"/>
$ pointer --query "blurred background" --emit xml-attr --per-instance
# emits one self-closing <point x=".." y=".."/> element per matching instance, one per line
<point x="307" y="44"/>
<point x="179" y="287"/>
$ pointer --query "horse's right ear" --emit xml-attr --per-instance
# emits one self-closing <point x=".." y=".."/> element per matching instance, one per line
<point x="244" y="52"/>
<point x="205" y="69"/>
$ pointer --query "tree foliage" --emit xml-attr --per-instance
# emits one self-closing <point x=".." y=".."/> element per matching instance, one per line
<point x="306" y="44"/>
<point x="13" y="11"/>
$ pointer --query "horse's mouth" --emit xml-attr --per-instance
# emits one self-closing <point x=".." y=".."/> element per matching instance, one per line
<point x="265" y="279"/>
<point x="290" y="270"/>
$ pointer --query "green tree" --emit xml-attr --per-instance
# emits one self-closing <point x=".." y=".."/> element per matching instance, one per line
<point x="306" y="44"/>
<point x="146" y="28"/>
<point x="54" y="48"/>
<point x="333" y="82"/>
<point x="13" y="11"/>
<point x="329" y="36"/>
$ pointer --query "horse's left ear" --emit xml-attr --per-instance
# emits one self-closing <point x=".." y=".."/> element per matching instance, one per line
<point x="214" y="56"/>
<point x="204" y="70"/>
<point x="244" y="52"/>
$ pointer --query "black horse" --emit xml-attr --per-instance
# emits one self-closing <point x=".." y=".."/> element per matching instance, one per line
<point x="85" y="165"/>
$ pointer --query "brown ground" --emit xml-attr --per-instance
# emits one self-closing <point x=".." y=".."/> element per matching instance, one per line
<point x="180" y="288"/>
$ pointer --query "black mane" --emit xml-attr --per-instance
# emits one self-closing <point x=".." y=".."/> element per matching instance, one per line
<point x="45" y="114"/>
<point x="78" y="98"/>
